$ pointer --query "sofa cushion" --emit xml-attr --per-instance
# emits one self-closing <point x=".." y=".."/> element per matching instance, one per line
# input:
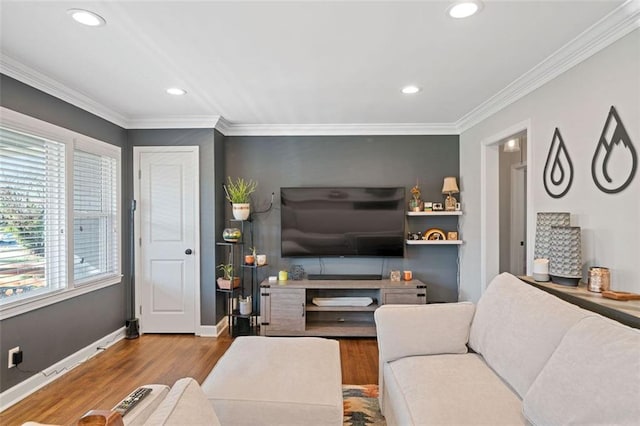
<point x="185" y="404"/>
<point x="448" y="390"/>
<point x="592" y="378"/>
<point x="408" y="330"/>
<point x="517" y="327"/>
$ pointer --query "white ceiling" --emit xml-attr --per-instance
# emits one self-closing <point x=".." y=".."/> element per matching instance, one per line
<point x="337" y="64"/>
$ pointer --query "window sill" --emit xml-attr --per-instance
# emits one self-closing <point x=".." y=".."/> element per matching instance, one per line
<point x="37" y="302"/>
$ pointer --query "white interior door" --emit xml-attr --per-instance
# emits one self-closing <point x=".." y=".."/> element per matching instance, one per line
<point x="518" y="241"/>
<point x="167" y="229"/>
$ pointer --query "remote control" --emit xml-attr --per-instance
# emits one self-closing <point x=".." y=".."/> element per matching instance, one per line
<point x="131" y="401"/>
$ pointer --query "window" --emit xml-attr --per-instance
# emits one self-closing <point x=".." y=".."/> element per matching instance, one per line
<point x="95" y="209"/>
<point x="59" y="213"/>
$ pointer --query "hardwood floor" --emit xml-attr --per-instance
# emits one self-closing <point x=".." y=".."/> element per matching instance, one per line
<point x="102" y="381"/>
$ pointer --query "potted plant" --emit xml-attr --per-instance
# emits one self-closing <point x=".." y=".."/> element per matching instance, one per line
<point x="225" y="282"/>
<point x="238" y="193"/>
<point x="249" y="259"/>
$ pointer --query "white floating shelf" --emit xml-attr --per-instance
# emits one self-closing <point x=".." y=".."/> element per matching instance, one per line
<point x="434" y="242"/>
<point x="437" y="213"/>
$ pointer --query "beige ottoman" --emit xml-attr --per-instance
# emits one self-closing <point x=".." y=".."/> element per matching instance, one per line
<point x="277" y="381"/>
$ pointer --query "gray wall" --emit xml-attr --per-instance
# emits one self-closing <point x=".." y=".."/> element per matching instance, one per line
<point x="50" y="334"/>
<point x="277" y="162"/>
<point x="210" y="143"/>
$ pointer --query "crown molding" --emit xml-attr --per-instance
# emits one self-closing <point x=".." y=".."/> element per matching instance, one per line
<point x="606" y="31"/>
<point x="614" y="26"/>
<point x="36" y="79"/>
<point x="176" y="122"/>
<point x="231" y="129"/>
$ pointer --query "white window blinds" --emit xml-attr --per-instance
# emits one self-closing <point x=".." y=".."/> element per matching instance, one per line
<point x="32" y="215"/>
<point x="95" y="217"/>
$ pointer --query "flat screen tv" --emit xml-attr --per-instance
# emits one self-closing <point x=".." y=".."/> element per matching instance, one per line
<point x="342" y="221"/>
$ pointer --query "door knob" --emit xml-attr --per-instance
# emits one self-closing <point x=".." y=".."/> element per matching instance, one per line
<point x="188" y="251"/>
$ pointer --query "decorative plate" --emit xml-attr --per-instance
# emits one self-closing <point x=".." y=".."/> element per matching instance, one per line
<point x="434" y="234"/>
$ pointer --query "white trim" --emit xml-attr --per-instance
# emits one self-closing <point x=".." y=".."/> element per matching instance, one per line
<point x="33" y="78"/>
<point x="231" y="129"/>
<point x="607" y="30"/>
<point x="214" y="330"/>
<point x="489" y="218"/>
<point x="196" y="251"/>
<point x="25" y="388"/>
<point x="176" y="122"/>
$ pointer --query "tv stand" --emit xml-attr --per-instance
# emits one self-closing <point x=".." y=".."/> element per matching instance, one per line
<point x="359" y="277"/>
<point x="287" y="307"/>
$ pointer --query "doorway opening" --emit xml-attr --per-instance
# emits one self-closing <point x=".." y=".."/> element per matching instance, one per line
<point x="494" y="227"/>
<point x="512" y="159"/>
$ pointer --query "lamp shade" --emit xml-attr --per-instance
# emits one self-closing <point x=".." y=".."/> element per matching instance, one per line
<point x="450" y="186"/>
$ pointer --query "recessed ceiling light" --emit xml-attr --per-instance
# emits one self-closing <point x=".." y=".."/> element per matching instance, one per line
<point x="86" y="18"/>
<point x="410" y="90"/>
<point x="176" y="91"/>
<point x="464" y="9"/>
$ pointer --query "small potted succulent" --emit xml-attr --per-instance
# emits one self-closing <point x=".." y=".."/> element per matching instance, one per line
<point x="250" y="259"/>
<point x="227" y="281"/>
<point x="238" y="193"/>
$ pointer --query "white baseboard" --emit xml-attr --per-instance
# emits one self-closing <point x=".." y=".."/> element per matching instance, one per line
<point x="25" y="388"/>
<point x="214" y="330"/>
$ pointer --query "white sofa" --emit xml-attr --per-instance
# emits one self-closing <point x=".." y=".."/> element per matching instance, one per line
<point x="537" y="360"/>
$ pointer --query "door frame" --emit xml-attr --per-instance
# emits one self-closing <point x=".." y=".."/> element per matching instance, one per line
<point x="490" y="202"/>
<point x="137" y="150"/>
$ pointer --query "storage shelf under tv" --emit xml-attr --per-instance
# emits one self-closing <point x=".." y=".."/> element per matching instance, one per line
<point x="287" y="308"/>
<point x="313" y="308"/>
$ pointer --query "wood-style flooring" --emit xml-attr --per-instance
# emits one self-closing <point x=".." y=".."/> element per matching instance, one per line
<point x="102" y="381"/>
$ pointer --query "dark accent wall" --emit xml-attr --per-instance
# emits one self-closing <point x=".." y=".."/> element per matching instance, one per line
<point x="276" y="162"/>
<point x="52" y="333"/>
<point x="210" y="143"/>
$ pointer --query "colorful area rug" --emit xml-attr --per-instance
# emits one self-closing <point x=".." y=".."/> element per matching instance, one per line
<point x="361" y="406"/>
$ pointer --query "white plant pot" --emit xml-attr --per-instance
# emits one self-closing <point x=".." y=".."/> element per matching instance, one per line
<point x="241" y="211"/>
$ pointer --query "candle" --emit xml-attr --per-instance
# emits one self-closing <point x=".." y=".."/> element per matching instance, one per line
<point x="541" y="270"/>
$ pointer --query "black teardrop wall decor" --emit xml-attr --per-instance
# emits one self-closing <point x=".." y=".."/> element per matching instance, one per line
<point x="558" y="169"/>
<point x="615" y="160"/>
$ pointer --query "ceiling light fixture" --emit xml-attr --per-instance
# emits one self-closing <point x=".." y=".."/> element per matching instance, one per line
<point x="86" y="17"/>
<point x="410" y="90"/>
<point x="512" y="145"/>
<point x="176" y="91"/>
<point x="464" y="9"/>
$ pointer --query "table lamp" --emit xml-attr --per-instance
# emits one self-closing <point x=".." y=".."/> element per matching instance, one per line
<point x="450" y="187"/>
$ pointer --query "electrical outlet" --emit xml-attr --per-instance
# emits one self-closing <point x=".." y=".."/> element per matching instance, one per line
<point x="11" y="352"/>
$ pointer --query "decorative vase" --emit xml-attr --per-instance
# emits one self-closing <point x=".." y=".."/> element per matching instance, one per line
<point x="544" y="222"/>
<point x="415" y="205"/>
<point x="565" y="263"/>
<point x="261" y="259"/>
<point x="245" y="305"/>
<point x="232" y="235"/>
<point x="241" y="211"/>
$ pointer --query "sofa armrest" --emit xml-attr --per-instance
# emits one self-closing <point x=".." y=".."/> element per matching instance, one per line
<point x="408" y="330"/>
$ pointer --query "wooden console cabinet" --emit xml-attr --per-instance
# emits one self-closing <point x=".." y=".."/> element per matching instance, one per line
<point x="287" y="309"/>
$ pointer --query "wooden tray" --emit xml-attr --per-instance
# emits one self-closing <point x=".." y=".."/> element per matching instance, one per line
<point x="620" y="295"/>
